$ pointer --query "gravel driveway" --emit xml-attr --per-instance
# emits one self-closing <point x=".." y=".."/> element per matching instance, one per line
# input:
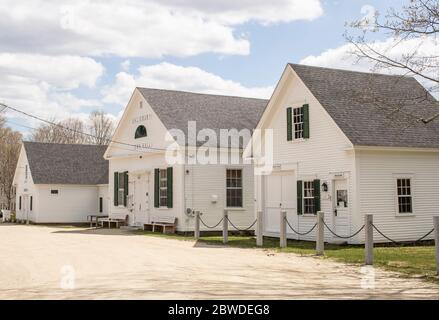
<point x="39" y="262"/>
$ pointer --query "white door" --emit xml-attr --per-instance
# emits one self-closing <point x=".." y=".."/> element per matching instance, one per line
<point x="280" y="194"/>
<point x="26" y="211"/>
<point x="341" y="207"/>
<point x="141" y="200"/>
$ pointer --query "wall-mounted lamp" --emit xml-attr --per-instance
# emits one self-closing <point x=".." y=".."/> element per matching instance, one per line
<point x="325" y="187"/>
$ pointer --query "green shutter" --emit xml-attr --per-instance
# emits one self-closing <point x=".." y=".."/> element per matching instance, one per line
<point x="317" y="195"/>
<point x="170" y="188"/>
<point x="125" y="188"/>
<point x="299" y="197"/>
<point x="116" y="189"/>
<point x="156" y="188"/>
<point x="289" y="124"/>
<point x="306" y="121"/>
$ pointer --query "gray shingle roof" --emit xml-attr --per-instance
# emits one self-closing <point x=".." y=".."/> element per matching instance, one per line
<point x="176" y="108"/>
<point x="53" y="163"/>
<point x="363" y="105"/>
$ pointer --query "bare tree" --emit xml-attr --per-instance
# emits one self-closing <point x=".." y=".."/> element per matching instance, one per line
<point x="419" y="21"/>
<point x="101" y="128"/>
<point x="69" y="131"/>
<point x="10" y="143"/>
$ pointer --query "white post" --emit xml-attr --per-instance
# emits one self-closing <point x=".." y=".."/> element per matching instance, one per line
<point x="436" y="241"/>
<point x="283" y="229"/>
<point x="259" y="230"/>
<point x="320" y="240"/>
<point x="197" y="225"/>
<point x="368" y="245"/>
<point x="225" y="227"/>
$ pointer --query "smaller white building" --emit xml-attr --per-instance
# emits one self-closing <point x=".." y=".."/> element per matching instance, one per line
<point x="60" y="183"/>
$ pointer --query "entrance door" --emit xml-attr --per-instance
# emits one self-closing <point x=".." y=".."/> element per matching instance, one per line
<point x="341" y="207"/>
<point x="280" y="193"/>
<point x="26" y="211"/>
<point x="141" y="200"/>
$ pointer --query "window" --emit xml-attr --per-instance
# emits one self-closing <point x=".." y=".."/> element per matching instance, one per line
<point x="19" y="203"/>
<point x="163" y="191"/>
<point x="308" y="197"/>
<point x="26" y="170"/>
<point x="234" y="188"/>
<point x="101" y="205"/>
<point x="140" y="132"/>
<point x="141" y="104"/>
<point x="298" y="122"/>
<point x="404" y="191"/>
<point x="54" y="192"/>
<point x="121" y="189"/>
<point x="31" y="203"/>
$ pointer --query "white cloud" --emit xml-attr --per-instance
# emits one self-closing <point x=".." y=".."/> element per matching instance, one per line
<point x="173" y="77"/>
<point x="343" y="58"/>
<point x="148" y="29"/>
<point x="66" y="72"/>
<point x="42" y="85"/>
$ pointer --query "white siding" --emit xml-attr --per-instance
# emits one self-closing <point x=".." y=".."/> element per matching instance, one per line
<point x="378" y="192"/>
<point x="72" y="204"/>
<point x="205" y="181"/>
<point x="319" y="157"/>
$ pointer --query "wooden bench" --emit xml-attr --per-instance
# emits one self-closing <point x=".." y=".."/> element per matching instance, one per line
<point x="165" y="223"/>
<point x="117" y="221"/>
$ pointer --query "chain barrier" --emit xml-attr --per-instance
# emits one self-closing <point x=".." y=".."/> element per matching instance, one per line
<point x="242" y="230"/>
<point x="401" y="242"/>
<point x="343" y="237"/>
<point x="211" y="227"/>
<point x="298" y="233"/>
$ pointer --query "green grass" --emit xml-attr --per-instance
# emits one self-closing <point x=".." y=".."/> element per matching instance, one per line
<point x="415" y="261"/>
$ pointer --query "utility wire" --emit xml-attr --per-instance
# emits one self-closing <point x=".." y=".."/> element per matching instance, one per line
<point x="73" y="130"/>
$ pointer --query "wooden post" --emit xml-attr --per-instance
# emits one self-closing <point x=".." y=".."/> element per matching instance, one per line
<point x="283" y="229"/>
<point x="320" y="239"/>
<point x="436" y="241"/>
<point x="226" y="227"/>
<point x="197" y="225"/>
<point x="259" y="230"/>
<point x="368" y="243"/>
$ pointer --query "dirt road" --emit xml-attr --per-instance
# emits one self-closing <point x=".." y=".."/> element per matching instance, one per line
<point x="60" y="263"/>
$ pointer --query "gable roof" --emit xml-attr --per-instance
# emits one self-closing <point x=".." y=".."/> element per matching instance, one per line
<point x="176" y="108"/>
<point x="53" y="163"/>
<point x="375" y="109"/>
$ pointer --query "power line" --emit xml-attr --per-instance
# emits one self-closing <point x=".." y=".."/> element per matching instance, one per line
<point x="72" y="130"/>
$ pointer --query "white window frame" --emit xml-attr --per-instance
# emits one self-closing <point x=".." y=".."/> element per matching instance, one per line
<point x="235" y="188"/>
<point x="163" y="187"/>
<point x="311" y="182"/>
<point x="411" y="177"/>
<point x="297" y="114"/>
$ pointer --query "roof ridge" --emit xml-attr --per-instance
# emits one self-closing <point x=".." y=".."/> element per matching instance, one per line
<point x="352" y="71"/>
<point x="203" y="94"/>
<point x="65" y="144"/>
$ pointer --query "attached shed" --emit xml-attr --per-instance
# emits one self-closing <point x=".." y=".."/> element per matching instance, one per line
<point x="61" y="183"/>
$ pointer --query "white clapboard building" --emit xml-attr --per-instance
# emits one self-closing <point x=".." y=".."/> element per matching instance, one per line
<point x="145" y="186"/>
<point x="350" y="144"/>
<point x="60" y="183"/>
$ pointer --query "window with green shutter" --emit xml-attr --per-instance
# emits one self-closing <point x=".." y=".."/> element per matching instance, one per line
<point x="298" y="127"/>
<point x="116" y="189"/>
<point x="163" y="188"/>
<point x="169" y="176"/>
<point x="305" y="121"/>
<point x="317" y="200"/>
<point x="289" y="124"/>
<point x="299" y="197"/>
<point x="156" y="188"/>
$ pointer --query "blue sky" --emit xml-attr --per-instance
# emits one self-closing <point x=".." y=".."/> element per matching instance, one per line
<point x="81" y="57"/>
